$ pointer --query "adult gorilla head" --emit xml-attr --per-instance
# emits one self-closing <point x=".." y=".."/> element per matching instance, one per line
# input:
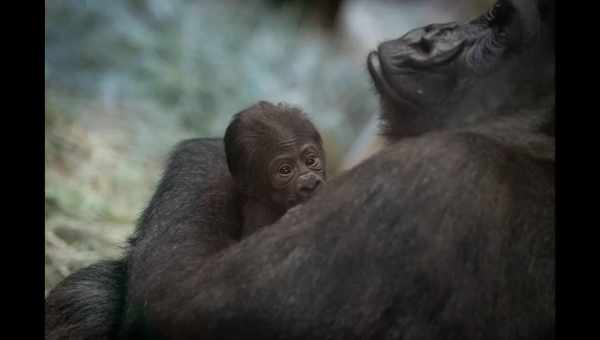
<point x="447" y="75"/>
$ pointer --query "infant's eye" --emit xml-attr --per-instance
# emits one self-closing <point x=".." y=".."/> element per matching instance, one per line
<point x="310" y="161"/>
<point x="285" y="170"/>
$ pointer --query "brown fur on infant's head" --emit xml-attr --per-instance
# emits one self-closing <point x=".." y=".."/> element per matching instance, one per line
<point x="276" y="158"/>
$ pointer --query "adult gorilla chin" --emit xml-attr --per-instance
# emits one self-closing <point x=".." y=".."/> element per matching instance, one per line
<point x="447" y="233"/>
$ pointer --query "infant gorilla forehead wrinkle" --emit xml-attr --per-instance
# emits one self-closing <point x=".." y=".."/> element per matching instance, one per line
<point x="297" y="151"/>
<point x="275" y="157"/>
<point x="290" y="143"/>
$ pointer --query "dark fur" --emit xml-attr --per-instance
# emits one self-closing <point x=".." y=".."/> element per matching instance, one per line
<point x="253" y="140"/>
<point x="255" y="128"/>
<point x="448" y="234"/>
<point x="84" y="305"/>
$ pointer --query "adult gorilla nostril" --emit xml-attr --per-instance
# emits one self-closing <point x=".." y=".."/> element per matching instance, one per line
<point x="423" y="45"/>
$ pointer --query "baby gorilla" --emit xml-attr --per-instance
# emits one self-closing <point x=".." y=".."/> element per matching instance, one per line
<point x="275" y="156"/>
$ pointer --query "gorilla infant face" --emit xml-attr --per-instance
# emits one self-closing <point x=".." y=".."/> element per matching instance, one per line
<point x="276" y="157"/>
<point x="295" y="172"/>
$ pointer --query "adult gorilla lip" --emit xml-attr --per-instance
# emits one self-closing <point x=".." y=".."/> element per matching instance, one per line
<point x="382" y="84"/>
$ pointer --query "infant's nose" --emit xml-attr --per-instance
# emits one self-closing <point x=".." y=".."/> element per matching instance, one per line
<point x="307" y="184"/>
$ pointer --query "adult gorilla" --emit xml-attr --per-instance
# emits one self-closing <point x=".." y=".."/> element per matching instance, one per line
<point x="447" y="233"/>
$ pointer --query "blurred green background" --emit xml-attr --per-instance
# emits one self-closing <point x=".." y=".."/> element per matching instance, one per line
<point x="126" y="80"/>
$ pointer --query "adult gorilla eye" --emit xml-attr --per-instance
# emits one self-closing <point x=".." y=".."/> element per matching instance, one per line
<point x="310" y="161"/>
<point x="498" y="14"/>
<point x="491" y="14"/>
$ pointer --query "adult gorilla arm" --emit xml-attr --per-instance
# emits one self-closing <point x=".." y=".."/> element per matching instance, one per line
<point x="378" y="256"/>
